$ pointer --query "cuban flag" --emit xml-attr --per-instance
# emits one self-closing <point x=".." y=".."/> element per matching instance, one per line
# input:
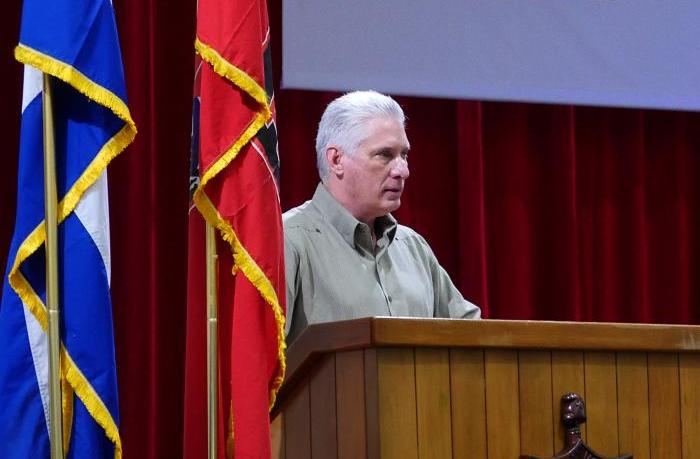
<point x="76" y="42"/>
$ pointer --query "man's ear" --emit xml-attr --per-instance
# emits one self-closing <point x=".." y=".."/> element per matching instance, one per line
<point x="333" y="159"/>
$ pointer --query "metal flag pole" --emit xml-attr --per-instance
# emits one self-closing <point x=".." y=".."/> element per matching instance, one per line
<point x="51" y="222"/>
<point x="212" y="349"/>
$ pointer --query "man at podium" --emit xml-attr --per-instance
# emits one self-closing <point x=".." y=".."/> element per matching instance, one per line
<point x="345" y="254"/>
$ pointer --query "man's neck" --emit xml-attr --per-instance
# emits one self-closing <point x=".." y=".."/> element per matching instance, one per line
<point x="348" y="205"/>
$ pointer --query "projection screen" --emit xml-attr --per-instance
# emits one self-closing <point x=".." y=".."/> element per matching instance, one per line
<point x="630" y="53"/>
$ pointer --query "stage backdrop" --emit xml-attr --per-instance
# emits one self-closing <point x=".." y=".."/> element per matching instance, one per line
<point x="537" y="211"/>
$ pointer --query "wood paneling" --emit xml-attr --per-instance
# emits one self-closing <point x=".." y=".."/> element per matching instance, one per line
<point x="502" y="406"/>
<point x="664" y="406"/>
<point x="487" y="334"/>
<point x="468" y="396"/>
<point x="633" y="404"/>
<point x="690" y="404"/>
<point x="567" y="376"/>
<point x="601" y="402"/>
<point x="409" y="388"/>
<point x="297" y="425"/>
<point x="372" y="403"/>
<point x="536" y="419"/>
<point x="433" y="403"/>
<point x="323" y="415"/>
<point x="398" y="434"/>
<point x="350" y="404"/>
<point x="277" y="437"/>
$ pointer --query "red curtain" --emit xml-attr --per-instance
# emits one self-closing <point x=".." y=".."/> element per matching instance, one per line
<point x="536" y="211"/>
<point x="148" y="207"/>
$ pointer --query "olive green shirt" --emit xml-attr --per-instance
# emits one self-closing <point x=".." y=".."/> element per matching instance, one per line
<point x="334" y="271"/>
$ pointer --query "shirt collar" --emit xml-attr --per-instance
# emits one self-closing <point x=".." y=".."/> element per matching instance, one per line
<point x="348" y="226"/>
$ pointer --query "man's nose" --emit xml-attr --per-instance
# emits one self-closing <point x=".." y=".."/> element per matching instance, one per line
<point x="399" y="168"/>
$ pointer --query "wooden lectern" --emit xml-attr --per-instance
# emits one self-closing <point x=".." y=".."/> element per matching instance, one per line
<point x="440" y="388"/>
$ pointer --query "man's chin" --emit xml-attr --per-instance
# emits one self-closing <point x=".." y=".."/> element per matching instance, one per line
<point x="392" y="205"/>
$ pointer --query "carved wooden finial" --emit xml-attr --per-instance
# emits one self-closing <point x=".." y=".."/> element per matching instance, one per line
<point x="573" y="414"/>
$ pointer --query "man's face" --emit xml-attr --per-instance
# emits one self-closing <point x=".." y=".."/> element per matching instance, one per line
<point x="375" y="174"/>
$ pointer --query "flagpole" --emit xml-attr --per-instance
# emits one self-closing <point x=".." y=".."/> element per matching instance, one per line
<point x="212" y="348"/>
<point x="50" y="218"/>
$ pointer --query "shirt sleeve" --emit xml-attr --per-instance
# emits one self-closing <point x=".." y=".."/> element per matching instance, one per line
<point x="449" y="302"/>
<point x="291" y="272"/>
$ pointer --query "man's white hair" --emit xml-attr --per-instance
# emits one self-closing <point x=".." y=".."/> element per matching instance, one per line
<point x="344" y="121"/>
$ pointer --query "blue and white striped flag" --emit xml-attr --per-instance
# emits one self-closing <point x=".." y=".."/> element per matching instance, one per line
<point x="76" y="42"/>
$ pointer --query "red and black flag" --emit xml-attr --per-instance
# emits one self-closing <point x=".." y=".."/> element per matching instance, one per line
<point x="235" y="188"/>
